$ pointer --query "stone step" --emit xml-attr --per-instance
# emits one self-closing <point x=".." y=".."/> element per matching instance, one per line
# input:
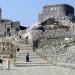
<point x="27" y="48"/>
<point x="20" y="55"/>
<point x="17" y="54"/>
<point x="25" y="45"/>
<point x="25" y="52"/>
<point x="22" y="58"/>
<point x="32" y="64"/>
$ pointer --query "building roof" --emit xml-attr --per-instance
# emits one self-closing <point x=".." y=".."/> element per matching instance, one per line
<point x="22" y="27"/>
<point x="5" y="20"/>
<point x="57" y="5"/>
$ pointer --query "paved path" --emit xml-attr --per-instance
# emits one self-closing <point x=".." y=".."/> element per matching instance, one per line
<point x="39" y="70"/>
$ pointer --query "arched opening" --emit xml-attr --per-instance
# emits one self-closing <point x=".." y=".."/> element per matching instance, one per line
<point x="8" y="31"/>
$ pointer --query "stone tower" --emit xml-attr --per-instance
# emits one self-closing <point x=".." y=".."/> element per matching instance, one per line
<point x="58" y="11"/>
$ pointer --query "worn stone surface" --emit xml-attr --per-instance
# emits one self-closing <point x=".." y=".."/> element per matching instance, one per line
<point x="39" y="70"/>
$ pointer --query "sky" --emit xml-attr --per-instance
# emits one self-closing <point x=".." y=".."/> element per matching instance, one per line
<point x="26" y="11"/>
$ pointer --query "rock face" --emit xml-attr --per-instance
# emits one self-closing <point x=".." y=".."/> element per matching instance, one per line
<point x="55" y="42"/>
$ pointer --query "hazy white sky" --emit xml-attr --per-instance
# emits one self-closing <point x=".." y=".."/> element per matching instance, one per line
<point x="26" y="11"/>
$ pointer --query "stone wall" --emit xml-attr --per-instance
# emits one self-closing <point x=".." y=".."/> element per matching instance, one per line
<point x="53" y="46"/>
<point x="59" y="33"/>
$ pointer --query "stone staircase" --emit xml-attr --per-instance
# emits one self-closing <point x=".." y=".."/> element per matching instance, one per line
<point x="34" y="59"/>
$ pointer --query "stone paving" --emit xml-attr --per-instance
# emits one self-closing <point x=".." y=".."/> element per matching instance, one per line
<point x="39" y="70"/>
